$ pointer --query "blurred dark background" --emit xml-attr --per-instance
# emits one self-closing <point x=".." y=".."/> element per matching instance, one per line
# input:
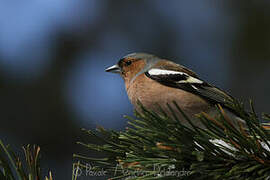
<point x="53" y="55"/>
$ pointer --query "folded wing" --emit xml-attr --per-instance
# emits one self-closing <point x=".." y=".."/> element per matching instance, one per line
<point x="191" y="83"/>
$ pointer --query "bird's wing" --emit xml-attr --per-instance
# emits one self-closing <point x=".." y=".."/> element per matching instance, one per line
<point x="188" y="81"/>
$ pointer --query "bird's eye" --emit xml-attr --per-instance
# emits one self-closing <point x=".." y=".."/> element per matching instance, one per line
<point x="128" y="63"/>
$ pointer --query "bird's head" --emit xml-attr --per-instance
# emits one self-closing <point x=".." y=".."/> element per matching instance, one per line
<point x="132" y="65"/>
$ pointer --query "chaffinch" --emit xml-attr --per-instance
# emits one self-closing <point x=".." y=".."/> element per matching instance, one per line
<point x="153" y="80"/>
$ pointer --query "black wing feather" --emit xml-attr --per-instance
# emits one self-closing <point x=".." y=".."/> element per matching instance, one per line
<point x="204" y="90"/>
<point x="171" y="81"/>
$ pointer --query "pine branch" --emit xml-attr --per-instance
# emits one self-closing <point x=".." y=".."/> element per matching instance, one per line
<point x="12" y="168"/>
<point x="156" y="146"/>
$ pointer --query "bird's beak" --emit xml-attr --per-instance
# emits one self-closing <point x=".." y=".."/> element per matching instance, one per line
<point x="114" y="69"/>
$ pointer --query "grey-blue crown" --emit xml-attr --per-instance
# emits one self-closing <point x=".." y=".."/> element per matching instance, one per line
<point x="140" y="55"/>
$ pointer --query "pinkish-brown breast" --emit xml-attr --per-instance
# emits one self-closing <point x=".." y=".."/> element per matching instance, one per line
<point x="150" y="93"/>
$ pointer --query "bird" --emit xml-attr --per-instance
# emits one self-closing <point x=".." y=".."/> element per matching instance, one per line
<point x="158" y="83"/>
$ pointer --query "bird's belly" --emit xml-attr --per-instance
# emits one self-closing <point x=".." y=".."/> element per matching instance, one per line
<point x="159" y="95"/>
